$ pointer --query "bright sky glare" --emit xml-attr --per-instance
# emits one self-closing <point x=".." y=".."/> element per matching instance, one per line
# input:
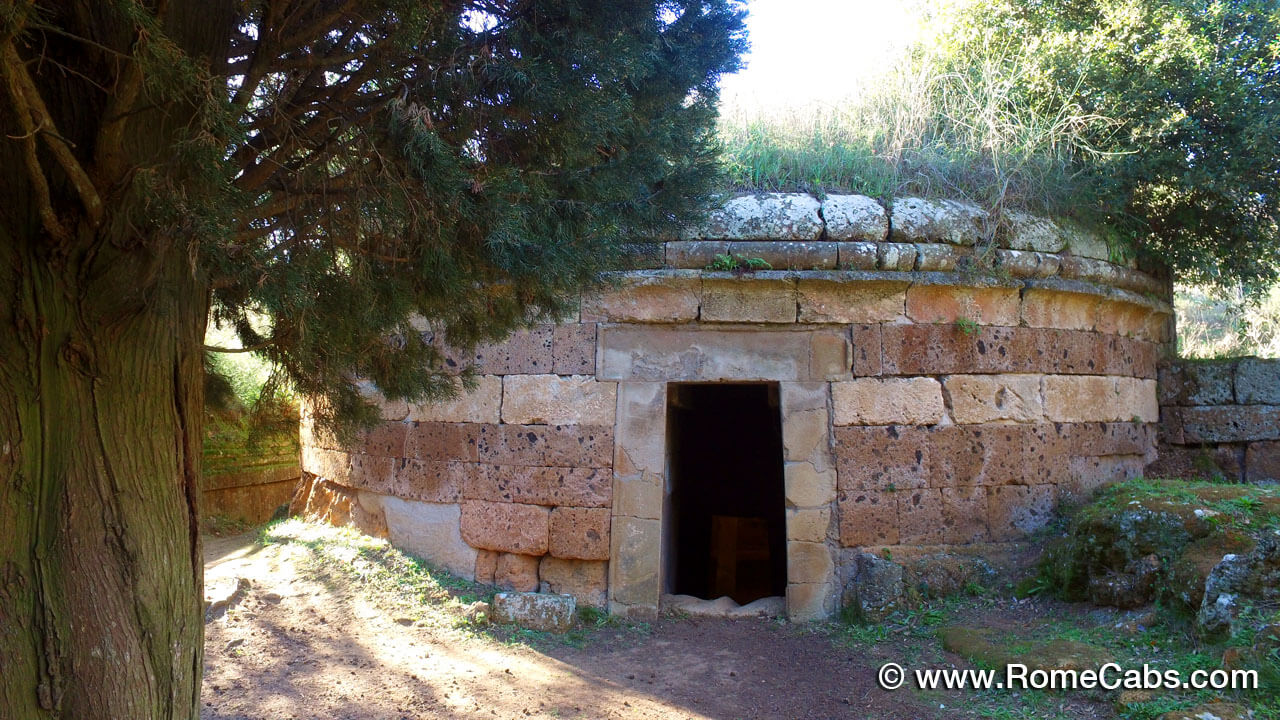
<point x="805" y="51"/>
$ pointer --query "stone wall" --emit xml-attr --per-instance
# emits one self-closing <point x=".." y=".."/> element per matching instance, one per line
<point x="937" y="389"/>
<point x="1220" y="419"/>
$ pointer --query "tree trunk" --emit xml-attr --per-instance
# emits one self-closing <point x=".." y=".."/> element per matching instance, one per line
<point x="100" y="436"/>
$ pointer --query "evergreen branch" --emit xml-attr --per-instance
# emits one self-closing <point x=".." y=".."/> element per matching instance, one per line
<point x="27" y="100"/>
<point x="40" y="185"/>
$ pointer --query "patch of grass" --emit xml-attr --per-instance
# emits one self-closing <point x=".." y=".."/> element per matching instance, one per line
<point x="1213" y="325"/>
<point x="738" y="263"/>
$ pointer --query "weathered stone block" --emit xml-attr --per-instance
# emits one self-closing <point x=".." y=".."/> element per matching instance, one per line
<point x="989" y="398"/>
<point x="573" y="349"/>
<point x="1043" y="308"/>
<point x="1084" y="243"/>
<point x="829" y="357"/>
<point x="878" y="458"/>
<point x="868" y="517"/>
<point x="809" y="563"/>
<point x="1262" y="462"/>
<point x="944" y="349"/>
<point x="919" y="220"/>
<point x="887" y="401"/>
<point x="964" y="514"/>
<point x="372" y="473"/>
<point x="506" y="527"/>
<point x="524" y="351"/>
<point x="804" y="435"/>
<point x="866" y="342"/>
<point x="762" y="216"/>
<point x="638" y="495"/>
<point x="1084" y="398"/>
<point x="1015" y="511"/>
<point x="384" y="440"/>
<point x="434" y="481"/>
<point x="536" y="611"/>
<point x="580" y="533"/>
<point x="634" y="577"/>
<point x="855" y="217"/>
<point x="1124" y="319"/>
<point x="1231" y="423"/>
<point x="442" y="441"/>
<point x="640" y="445"/>
<point x="810" y="601"/>
<point x="480" y="405"/>
<point x="431" y="531"/>
<point x="575" y="486"/>
<point x="807" y="486"/>
<point x="586" y="580"/>
<point x="857" y="255"/>
<point x="1199" y="383"/>
<point x="486" y="566"/>
<point x="809" y="524"/>
<point x="899" y="257"/>
<point x="583" y="446"/>
<point x="875" y="588"/>
<point x="969" y="455"/>
<point x="1258" y="382"/>
<point x="1020" y="264"/>
<point x="516" y="572"/>
<point x="670" y="296"/>
<point x="695" y="254"/>
<point x="941" y="257"/>
<point x="948" y="304"/>
<point x="636" y="353"/>
<point x="557" y="400"/>
<point x="873" y="301"/>
<point x="807" y="255"/>
<point x="1030" y="232"/>
<point x="749" y="299"/>
<point x="921" y="514"/>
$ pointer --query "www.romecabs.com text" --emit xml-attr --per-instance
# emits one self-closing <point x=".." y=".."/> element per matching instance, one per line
<point x="1110" y="676"/>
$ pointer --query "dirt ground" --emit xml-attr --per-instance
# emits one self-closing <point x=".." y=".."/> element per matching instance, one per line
<point x="296" y="646"/>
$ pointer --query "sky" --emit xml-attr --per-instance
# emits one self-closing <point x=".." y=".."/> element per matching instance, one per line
<point x="806" y="51"/>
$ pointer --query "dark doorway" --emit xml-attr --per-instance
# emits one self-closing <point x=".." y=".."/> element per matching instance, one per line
<point x="727" y="528"/>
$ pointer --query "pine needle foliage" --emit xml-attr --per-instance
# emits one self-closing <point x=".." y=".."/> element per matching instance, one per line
<point x="385" y="179"/>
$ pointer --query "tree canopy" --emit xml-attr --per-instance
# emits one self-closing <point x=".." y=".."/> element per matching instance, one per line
<point x="1189" y="165"/>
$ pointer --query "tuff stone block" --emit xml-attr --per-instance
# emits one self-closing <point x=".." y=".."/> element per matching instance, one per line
<point x="809" y="563"/>
<point x="1262" y="462"/>
<point x="808" y="524"/>
<point x="573" y="349"/>
<point x="868" y="517"/>
<point x="878" y="458"/>
<point x="807" y="255"/>
<point x="921" y="516"/>
<point x="430" y="531"/>
<point x="1030" y="232"/>
<point x="686" y="354"/>
<point x="652" y="297"/>
<point x="807" y="486"/>
<point x="951" y="221"/>
<point x="964" y="514"/>
<point x="506" y="527"/>
<point x="872" y="301"/>
<point x="1056" y="309"/>
<point x="580" y="533"/>
<point x="588" y="446"/>
<point x="384" y="440"/>
<point x="895" y="256"/>
<point x="866" y="346"/>
<point x="829" y="357"/>
<point x="640" y="446"/>
<point x="480" y="405"/>
<point x="804" y="434"/>
<point x="576" y="486"/>
<point x="855" y="217"/>
<point x="948" y="304"/>
<point x="762" y="216"/>
<point x="586" y="580"/>
<point x="749" y="299"/>
<point x="1230" y="423"/>
<point x="634" y="577"/>
<point x="1016" y="511"/>
<point x="1258" y="382"/>
<point x="856" y="255"/>
<point x="486" y="566"/>
<point x="887" y="401"/>
<point x="524" y="351"/>
<point x="516" y="572"/>
<point x="940" y="257"/>
<point x="557" y="400"/>
<point x="429" y="480"/>
<point x="695" y="254"/>
<point x="990" y="398"/>
<point x="442" y="441"/>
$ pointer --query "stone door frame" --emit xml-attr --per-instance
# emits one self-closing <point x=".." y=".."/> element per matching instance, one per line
<point x="644" y="360"/>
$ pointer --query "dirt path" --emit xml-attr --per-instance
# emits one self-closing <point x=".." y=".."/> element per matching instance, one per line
<point x="296" y="647"/>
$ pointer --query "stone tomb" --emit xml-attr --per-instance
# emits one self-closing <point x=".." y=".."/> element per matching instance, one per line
<point x="909" y="383"/>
